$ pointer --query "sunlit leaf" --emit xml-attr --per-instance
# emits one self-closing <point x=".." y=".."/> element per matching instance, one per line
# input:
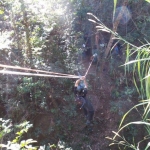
<point x="3" y="145"/>
<point x="1" y="12"/>
<point x="148" y="145"/>
<point x="135" y="61"/>
<point x="30" y="141"/>
<point x="92" y="20"/>
<point x="115" y="4"/>
<point x="147" y="1"/>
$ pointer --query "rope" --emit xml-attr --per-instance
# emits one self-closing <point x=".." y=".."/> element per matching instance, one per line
<point x="34" y="70"/>
<point x="88" y="68"/>
<point x="53" y="74"/>
<point x="32" y="74"/>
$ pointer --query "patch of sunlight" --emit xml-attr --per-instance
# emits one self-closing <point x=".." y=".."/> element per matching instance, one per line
<point x="5" y="40"/>
<point x="59" y="11"/>
<point x="45" y="7"/>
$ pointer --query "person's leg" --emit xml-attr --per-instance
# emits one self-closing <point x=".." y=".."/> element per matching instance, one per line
<point x="85" y="112"/>
<point x="95" y="60"/>
<point x="117" y="51"/>
<point x="90" y="116"/>
<point x="89" y="121"/>
<point x="83" y="55"/>
<point x="88" y="53"/>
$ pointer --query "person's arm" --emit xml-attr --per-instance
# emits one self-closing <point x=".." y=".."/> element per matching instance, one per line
<point x="77" y="82"/>
<point x="85" y="83"/>
<point x="81" y="79"/>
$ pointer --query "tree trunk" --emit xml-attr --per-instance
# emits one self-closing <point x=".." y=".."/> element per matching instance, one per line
<point x="26" y="27"/>
<point x="18" y="39"/>
<point x="15" y="30"/>
<point x="115" y="26"/>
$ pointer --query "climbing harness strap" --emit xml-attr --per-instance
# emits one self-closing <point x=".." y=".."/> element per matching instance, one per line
<point x="81" y="99"/>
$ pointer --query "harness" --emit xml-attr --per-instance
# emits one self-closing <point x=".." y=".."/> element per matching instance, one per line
<point x="81" y="100"/>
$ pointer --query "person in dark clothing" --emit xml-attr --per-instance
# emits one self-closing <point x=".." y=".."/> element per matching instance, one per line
<point x="80" y="90"/>
<point x="95" y="54"/>
<point x="117" y="49"/>
<point x="87" y="40"/>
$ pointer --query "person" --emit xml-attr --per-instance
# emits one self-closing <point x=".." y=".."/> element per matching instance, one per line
<point x="87" y="40"/>
<point x="95" y="54"/>
<point x="117" y="49"/>
<point x="80" y="90"/>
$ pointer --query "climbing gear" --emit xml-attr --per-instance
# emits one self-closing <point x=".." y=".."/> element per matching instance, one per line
<point x="80" y="100"/>
<point x="89" y="66"/>
<point x="81" y="85"/>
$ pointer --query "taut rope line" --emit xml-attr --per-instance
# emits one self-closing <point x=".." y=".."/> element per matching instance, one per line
<point x="33" y="74"/>
<point x="49" y="74"/>
<point x="34" y="70"/>
<point x="88" y="68"/>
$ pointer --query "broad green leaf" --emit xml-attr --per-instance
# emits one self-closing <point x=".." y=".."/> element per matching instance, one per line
<point x="23" y="143"/>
